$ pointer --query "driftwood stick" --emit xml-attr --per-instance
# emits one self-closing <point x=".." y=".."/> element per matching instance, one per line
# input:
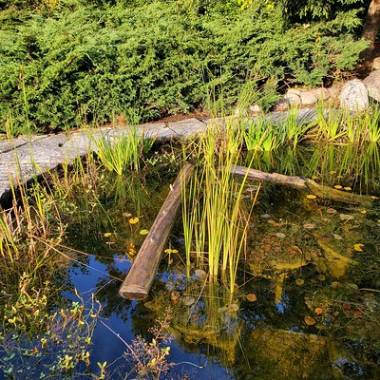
<point x="299" y="183"/>
<point x="141" y="275"/>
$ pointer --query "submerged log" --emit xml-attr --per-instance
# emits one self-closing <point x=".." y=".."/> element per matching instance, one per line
<point x="140" y="277"/>
<point x="299" y="183"/>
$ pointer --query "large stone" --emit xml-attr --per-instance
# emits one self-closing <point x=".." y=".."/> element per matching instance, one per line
<point x="354" y="96"/>
<point x="306" y="97"/>
<point x="372" y="82"/>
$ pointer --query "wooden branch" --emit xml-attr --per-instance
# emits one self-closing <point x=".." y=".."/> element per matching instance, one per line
<point x="140" y="277"/>
<point x="299" y="183"/>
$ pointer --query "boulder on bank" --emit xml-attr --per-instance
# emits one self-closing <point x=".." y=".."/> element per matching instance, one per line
<point x="300" y="97"/>
<point x="372" y="83"/>
<point x="354" y="96"/>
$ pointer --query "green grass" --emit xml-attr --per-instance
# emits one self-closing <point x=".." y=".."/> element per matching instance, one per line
<point x="214" y="217"/>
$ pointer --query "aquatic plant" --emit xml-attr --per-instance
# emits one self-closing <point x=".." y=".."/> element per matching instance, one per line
<point x="218" y="220"/>
<point x="125" y="152"/>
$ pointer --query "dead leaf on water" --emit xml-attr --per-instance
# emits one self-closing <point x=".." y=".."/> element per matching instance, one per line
<point x="188" y="300"/>
<point x="310" y="321"/>
<point x="251" y="297"/>
<point x="233" y="308"/>
<point x="345" y="217"/>
<point x="175" y="296"/>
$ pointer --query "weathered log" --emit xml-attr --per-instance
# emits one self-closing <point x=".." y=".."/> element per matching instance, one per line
<point x="141" y="275"/>
<point x="299" y="183"/>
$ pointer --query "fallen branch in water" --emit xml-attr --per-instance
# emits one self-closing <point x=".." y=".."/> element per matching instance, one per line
<point x="299" y="183"/>
<point x="140" y="277"/>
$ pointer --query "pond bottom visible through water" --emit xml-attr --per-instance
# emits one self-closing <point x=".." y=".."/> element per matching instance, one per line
<point x="306" y="307"/>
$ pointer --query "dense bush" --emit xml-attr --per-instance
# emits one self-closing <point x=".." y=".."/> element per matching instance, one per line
<point x="82" y="62"/>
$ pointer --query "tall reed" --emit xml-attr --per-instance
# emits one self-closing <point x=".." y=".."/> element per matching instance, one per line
<point x="214" y="218"/>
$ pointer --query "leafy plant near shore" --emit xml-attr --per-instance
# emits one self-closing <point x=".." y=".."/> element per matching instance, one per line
<point x="83" y="63"/>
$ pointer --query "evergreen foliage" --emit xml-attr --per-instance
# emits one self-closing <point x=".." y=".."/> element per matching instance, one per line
<point x="68" y="62"/>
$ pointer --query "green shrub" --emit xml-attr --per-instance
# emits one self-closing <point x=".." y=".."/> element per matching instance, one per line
<point x="81" y="63"/>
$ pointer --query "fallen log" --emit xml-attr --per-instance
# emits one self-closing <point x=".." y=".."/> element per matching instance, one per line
<point x="141" y="275"/>
<point x="299" y="183"/>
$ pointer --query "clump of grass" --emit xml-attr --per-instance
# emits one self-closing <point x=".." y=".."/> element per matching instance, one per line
<point x="125" y="152"/>
<point x="214" y="218"/>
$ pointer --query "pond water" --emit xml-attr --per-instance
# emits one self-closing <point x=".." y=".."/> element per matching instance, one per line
<point x="308" y="300"/>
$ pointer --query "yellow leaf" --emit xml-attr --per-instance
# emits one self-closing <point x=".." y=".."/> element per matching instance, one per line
<point x="134" y="220"/>
<point x="107" y="234"/>
<point x="310" y="321"/>
<point x="251" y="297"/>
<point x="311" y="196"/>
<point x="358" y="247"/>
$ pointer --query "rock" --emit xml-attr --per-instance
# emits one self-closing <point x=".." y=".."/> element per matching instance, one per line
<point x="306" y="97"/>
<point x="372" y="83"/>
<point x="376" y="64"/>
<point x="255" y="108"/>
<point x="354" y="96"/>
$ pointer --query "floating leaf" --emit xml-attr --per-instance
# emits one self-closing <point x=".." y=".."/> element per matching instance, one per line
<point x="311" y="196"/>
<point x="345" y="217"/>
<point x="358" y="247"/>
<point x="300" y="281"/>
<point x="188" y="300"/>
<point x="175" y="296"/>
<point x="338" y="187"/>
<point x="233" y="308"/>
<point x="143" y="232"/>
<point x="200" y="274"/>
<point x="134" y="220"/>
<point x="310" y="321"/>
<point x="251" y="297"/>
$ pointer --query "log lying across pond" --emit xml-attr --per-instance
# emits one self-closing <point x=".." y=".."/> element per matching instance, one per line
<point x="305" y="184"/>
<point x="141" y="275"/>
